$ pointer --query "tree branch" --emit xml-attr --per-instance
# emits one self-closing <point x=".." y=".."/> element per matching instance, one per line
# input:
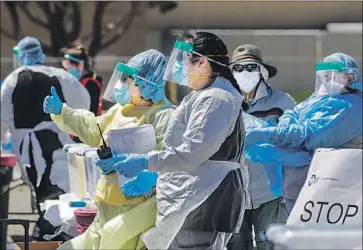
<point x="44" y="6"/>
<point x="7" y="34"/>
<point x="47" y="49"/>
<point x="97" y="28"/>
<point x="55" y="13"/>
<point x="24" y="8"/>
<point x="111" y="41"/>
<point x="76" y="22"/>
<point x="13" y="13"/>
<point x="123" y="24"/>
<point x="89" y="35"/>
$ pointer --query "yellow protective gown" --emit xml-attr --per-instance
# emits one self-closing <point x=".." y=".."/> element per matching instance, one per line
<point x="119" y="221"/>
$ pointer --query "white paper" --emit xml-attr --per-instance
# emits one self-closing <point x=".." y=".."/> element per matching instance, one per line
<point x="138" y="140"/>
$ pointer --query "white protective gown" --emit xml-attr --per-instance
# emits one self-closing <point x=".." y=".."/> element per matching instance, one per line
<point x="197" y="129"/>
<point x="76" y="96"/>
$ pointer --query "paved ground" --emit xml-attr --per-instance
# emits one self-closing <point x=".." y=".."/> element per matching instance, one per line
<point x="19" y="207"/>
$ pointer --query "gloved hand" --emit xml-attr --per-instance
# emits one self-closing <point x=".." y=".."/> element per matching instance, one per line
<point x="260" y="135"/>
<point x="270" y="154"/>
<point x="52" y="104"/>
<point x="141" y="185"/>
<point x="109" y="165"/>
<point x="132" y="165"/>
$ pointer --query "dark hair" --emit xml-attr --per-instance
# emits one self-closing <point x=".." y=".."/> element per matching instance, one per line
<point x="78" y="52"/>
<point x="213" y="47"/>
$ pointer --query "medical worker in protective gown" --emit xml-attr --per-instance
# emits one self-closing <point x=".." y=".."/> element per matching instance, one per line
<point x="140" y="99"/>
<point x="330" y="118"/>
<point x="200" y="194"/>
<point x="38" y="142"/>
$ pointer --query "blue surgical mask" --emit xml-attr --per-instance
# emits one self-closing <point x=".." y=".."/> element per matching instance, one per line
<point x="75" y="72"/>
<point x="179" y="75"/>
<point x="121" y="95"/>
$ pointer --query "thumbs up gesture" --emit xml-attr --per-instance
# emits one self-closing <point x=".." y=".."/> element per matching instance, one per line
<point x="52" y="103"/>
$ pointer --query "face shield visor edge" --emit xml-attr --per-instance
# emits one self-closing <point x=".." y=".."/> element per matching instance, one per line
<point x="330" y="78"/>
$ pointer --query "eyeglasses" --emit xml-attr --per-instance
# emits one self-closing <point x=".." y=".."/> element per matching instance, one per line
<point x="252" y="67"/>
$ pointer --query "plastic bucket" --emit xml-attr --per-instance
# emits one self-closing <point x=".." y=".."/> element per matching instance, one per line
<point x="84" y="218"/>
<point x="8" y="161"/>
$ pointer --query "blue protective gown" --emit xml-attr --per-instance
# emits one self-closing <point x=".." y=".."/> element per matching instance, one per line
<point x="318" y="122"/>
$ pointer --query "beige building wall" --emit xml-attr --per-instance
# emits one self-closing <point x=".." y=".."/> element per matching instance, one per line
<point x="293" y="55"/>
<point x="257" y="15"/>
<point x="223" y="14"/>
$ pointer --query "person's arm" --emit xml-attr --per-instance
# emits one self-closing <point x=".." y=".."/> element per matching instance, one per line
<point x="211" y="121"/>
<point x="290" y="116"/>
<point x="331" y="125"/>
<point x="83" y="123"/>
<point x="160" y="119"/>
<point x="94" y="92"/>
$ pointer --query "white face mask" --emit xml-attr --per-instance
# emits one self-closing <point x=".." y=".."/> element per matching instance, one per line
<point x="247" y="81"/>
<point x="333" y="88"/>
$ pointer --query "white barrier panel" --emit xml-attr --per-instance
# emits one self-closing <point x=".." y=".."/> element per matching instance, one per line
<point x="297" y="238"/>
<point x="77" y="180"/>
<point x="93" y="172"/>
<point x="332" y="193"/>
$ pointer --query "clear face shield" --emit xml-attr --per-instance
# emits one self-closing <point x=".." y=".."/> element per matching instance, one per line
<point x="177" y="70"/>
<point x="16" y="62"/>
<point x="330" y="78"/>
<point x="27" y="57"/>
<point x="117" y="84"/>
<point x="118" y="80"/>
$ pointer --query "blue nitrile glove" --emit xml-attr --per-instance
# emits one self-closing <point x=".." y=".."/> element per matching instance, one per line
<point x="275" y="178"/>
<point x="132" y="165"/>
<point x="259" y="135"/>
<point x="52" y="104"/>
<point x="141" y="185"/>
<point x="109" y="165"/>
<point x="270" y="154"/>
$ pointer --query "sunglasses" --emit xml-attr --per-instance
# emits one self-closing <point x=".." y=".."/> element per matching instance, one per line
<point x="252" y="67"/>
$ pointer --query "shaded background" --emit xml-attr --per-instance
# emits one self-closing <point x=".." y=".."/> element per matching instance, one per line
<point x="292" y="35"/>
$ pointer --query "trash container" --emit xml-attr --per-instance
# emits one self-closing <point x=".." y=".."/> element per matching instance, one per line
<point x="8" y="161"/>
